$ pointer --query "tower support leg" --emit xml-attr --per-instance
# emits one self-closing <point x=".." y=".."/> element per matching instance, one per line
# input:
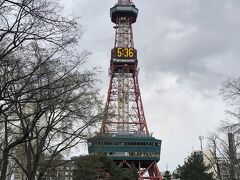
<point x="149" y="171"/>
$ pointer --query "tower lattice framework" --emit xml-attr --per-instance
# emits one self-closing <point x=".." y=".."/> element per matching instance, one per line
<point x="124" y="119"/>
<point x="124" y="108"/>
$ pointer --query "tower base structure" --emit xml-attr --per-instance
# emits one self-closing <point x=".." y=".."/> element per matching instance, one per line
<point x="130" y="150"/>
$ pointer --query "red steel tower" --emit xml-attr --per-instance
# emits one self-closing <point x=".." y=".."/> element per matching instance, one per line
<point x="124" y="133"/>
<point x="124" y="109"/>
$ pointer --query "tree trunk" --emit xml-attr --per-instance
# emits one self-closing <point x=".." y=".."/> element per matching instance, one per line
<point x="4" y="165"/>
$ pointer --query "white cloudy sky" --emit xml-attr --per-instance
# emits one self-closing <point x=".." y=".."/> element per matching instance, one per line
<point x="186" y="49"/>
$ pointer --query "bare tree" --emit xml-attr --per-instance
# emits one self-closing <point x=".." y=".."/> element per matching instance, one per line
<point x="223" y="155"/>
<point x="60" y="105"/>
<point x="25" y="21"/>
<point x="214" y="155"/>
<point x="231" y="94"/>
<point x="46" y="100"/>
<point x="224" y="145"/>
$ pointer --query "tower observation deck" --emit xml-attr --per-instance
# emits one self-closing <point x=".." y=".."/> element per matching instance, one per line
<point x="124" y="134"/>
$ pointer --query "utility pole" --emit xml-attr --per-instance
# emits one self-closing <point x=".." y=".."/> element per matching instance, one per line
<point x="232" y="155"/>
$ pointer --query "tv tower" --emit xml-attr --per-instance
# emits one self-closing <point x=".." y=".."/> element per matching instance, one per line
<point x="124" y="133"/>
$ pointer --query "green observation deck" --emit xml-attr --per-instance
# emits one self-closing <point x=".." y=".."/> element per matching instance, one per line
<point x="126" y="147"/>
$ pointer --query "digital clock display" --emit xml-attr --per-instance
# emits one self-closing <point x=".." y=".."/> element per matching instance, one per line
<point x="124" y="53"/>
